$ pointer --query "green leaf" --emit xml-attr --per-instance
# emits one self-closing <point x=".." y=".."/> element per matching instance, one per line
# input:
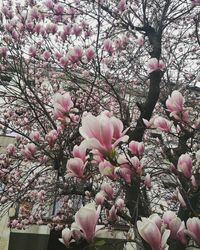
<point x="99" y="242"/>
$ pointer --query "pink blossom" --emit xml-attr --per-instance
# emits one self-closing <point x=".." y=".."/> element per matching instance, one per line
<point x="67" y="30"/>
<point x="185" y="165"/>
<point x="136" y="148"/>
<point x="196" y="2"/>
<point x="3" y="51"/>
<point x="90" y="54"/>
<point x="108" y="190"/>
<point x="46" y="55"/>
<point x="136" y="164"/>
<point x="100" y="132"/>
<point x="11" y="149"/>
<point x="107" y="169"/>
<point x="193" y="229"/>
<point x="147" y="180"/>
<point x="99" y="198"/>
<point x="153" y="64"/>
<point x="175" y="102"/>
<point x="193" y="181"/>
<point x="49" y="4"/>
<point x="121" y="5"/>
<point x="77" y="30"/>
<point x="162" y="124"/>
<point x="62" y="104"/>
<point x="108" y="46"/>
<point x="180" y="198"/>
<point x="66" y="236"/>
<point x="120" y="203"/>
<point x="125" y="172"/>
<point x="79" y="152"/>
<point x="64" y="61"/>
<point x="51" y="28"/>
<point x="31" y="147"/>
<point x="51" y="137"/>
<point x="112" y="214"/>
<point x="181" y="234"/>
<point x="86" y="220"/>
<point x="36" y="136"/>
<point x="75" y="167"/>
<point x="128" y="167"/>
<point x="150" y="232"/>
<point x="155" y="218"/>
<point x="75" y="54"/>
<point x="32" y="51"/>
<point x="168" y="216"/>
<point x="59" y="9"/>
<point x="29" y="151"/>
<point x="175" y="225"/>
<point x="38" y="28"/>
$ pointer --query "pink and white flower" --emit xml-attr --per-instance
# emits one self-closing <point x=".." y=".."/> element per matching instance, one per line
<point x="185" y="165"/>
<point x="75" y="167"/>
<point x="102" y="132"/>
<point x="193" y="229"/>
<point x="86" y="220"/>
<point x="62" y="104"/>
<point x="175" y="102"/>
<point x="151" y="233"/>
<point x="153" y="64"/>
<point x="162" y="124"/>
<point x="136" y="148"/>
<point x="66" y="236"/>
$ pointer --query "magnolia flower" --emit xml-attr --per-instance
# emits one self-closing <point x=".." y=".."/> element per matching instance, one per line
<point x="193" y="229"/>
<point x="112" y="214"/>
<point x="77" y="30"/>
<point x="185" y="165"/>
<point x="180" y="198"/>
<point x="46" y="55"/>
<point x="153" y="64"/>
<point x="86" y="220"/>
<point x="11" y="149"/>
<point x="107" y="169"/>
<point x="35" y="136"/>
<point x="121" y="5"/>
<point x="99" y="198"/>
<point x="120" y="203"/>
<point x="75" y="54"/>
<point x="75" y="167"/>
<point x="99" y="132"/>
<point x="176" y="226"/>
<point x="66" y="236"/>
<point x="136" y="148"/>
<point x="196" y="2"/>
<point x="193" y="181"/>
<point x="29" y="151"/>
<point x="162" y="124"/>
<point x="90" y="54"/>
<point x="150" y="232"/>
<point x="175" y="102"/>
<point x="147" y="180"/>
<point x="108" y="46"/>
<point x="79" y="152"/>
<point x="62" y="104"/>
<point x="108" y="190"/>
<point x="51" y="137"/>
